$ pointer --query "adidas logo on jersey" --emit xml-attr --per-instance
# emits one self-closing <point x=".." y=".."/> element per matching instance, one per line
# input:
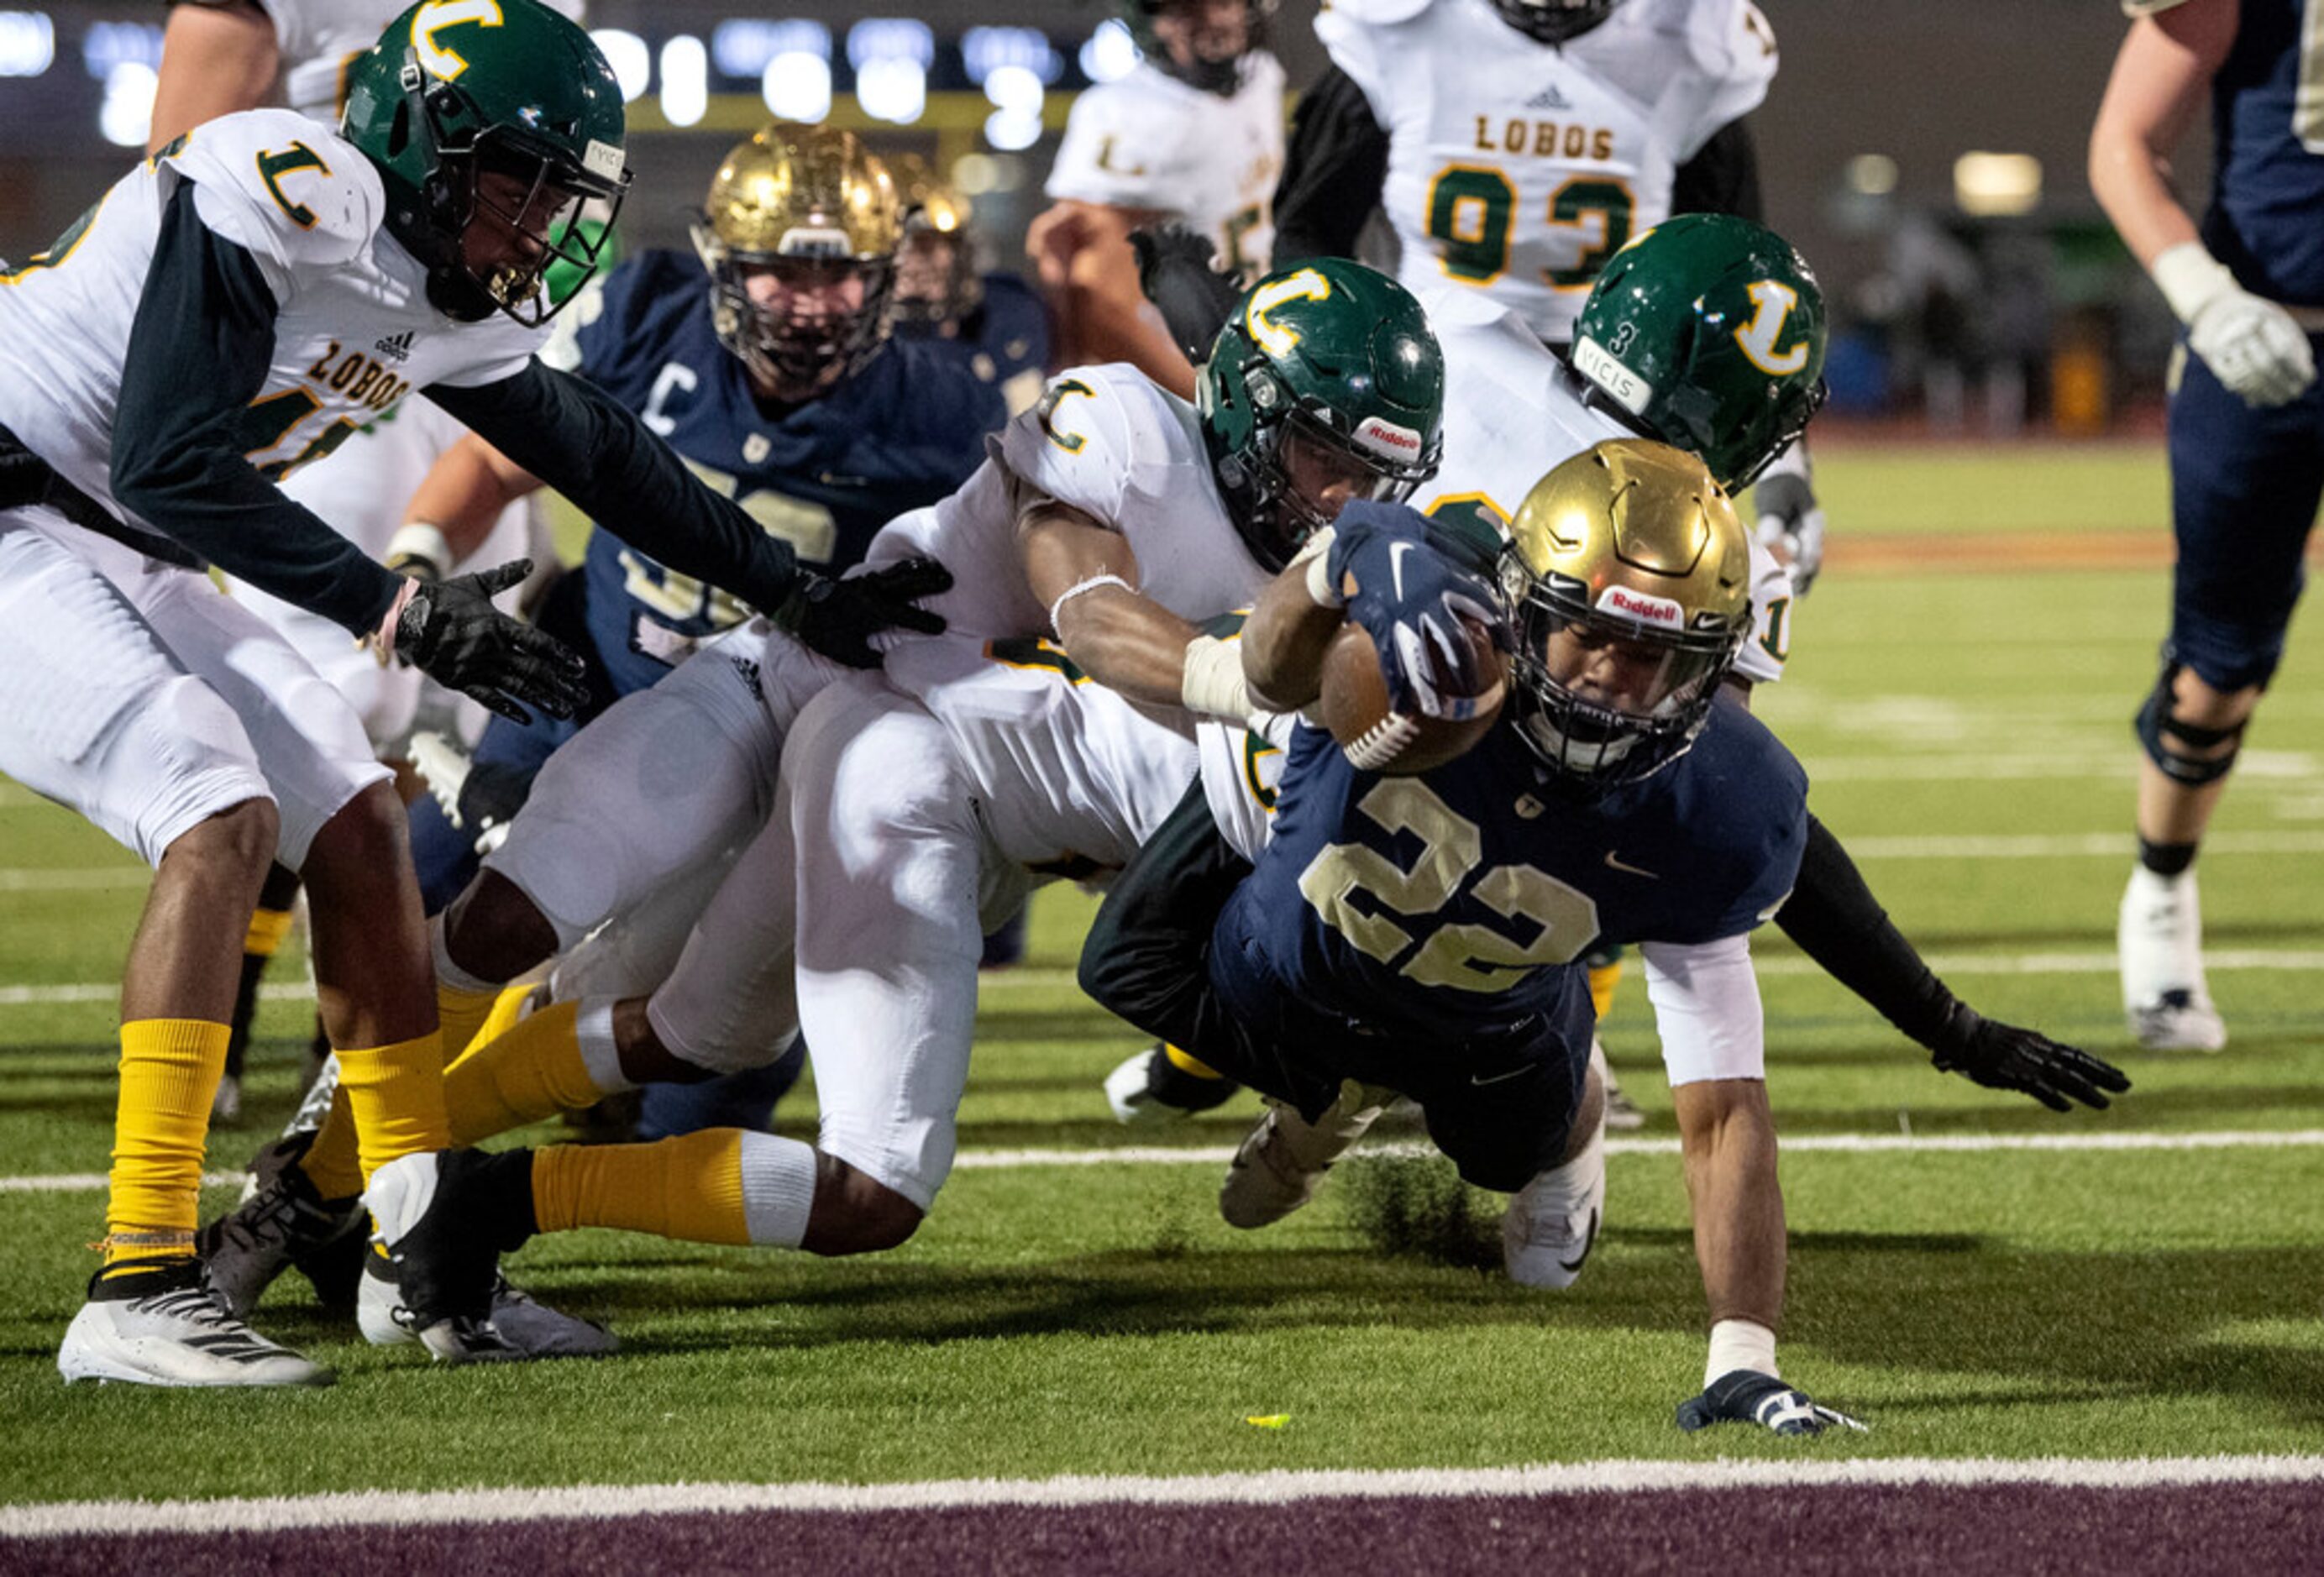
<point x="395" y="348"/>
<point x="1548" y="98"/>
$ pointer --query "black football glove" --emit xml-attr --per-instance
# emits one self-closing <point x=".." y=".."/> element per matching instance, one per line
<point x="2003" y="1057"/>
<point x="450" y="632"/>
<point x="1176" y="272"/>
<point x="838" y="618"/>
<point x="1745" y="1396"/>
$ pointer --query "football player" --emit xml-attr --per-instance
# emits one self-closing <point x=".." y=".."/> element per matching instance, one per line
<point x="1421" y="935"/>
<point x="218" y="57"/>
<point x="995" y="319"/>
<point x="221" y="315"/>
<point x="1514" y="146"/>
<point x="1645" y="362"/>
<point x="775" y="380"/>
<point x="1195" y="131"/>
<point x="1111" y="516"/>
<point x="2246" y="467"/>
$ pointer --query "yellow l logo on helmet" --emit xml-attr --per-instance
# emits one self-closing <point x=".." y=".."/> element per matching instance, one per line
<point x="437" y="14"/>
<point x="1305" y="285"/>
<point x="1771" y="306"/>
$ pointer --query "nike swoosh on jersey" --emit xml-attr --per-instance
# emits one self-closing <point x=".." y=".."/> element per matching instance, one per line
<point x="1396" y="565"/>
<point x="1497" y="1078"/>
<point x="1615" y="864"/>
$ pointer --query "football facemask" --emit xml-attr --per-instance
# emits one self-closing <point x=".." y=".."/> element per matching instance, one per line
<point x="1554" y="21"/>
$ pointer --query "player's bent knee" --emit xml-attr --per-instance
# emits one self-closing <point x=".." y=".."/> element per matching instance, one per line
<point x="495" y="931"/>
<point x="2192" y="743"/>
<point x="242" y="836"/>
<point x="853" y="1215"/>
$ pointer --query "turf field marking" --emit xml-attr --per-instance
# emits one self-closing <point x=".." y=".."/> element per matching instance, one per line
<point x="974" y="1160"/>
<point x="384" y="1508"/>
<point x="69" y="879"/>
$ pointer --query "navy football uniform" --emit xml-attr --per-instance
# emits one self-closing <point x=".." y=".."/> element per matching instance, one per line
<point x="1426" y="933"/>
<point x="2245" y="483"/>
<point x="1004" y="339"/>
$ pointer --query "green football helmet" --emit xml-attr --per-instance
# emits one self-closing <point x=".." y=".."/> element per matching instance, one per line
<point x="1707" y="332"/>
<point x="1328" y="368"/>
<point x="1220" y="72"/>
<point x="461" y="99"/>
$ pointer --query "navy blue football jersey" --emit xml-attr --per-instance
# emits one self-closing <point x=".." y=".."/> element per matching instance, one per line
<point x="1448" y="902"/>
<point x="2266" y="217"/>
<point x="825" y="476"/>
<point x="1004" y="341"/>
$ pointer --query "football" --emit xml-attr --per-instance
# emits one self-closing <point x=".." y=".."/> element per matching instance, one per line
<point x="1354" y="705"/>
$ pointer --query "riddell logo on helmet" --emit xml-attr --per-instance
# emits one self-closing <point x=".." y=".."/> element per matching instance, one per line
<point x="1646" y="610"/>
<point x="1385" y="438"/>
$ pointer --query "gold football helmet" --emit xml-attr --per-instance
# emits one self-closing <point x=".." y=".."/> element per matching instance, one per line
<point x="1631" y="579"/>
<point x="811" y="207"/>
<point x="937" y="282"/>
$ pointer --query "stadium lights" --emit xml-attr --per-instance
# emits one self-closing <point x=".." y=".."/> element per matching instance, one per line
<point x="1993" y="184"/>
<point x="685" y="80"/>
<point x="797" y="85"/>
<point x="1872" y="174"/>
<point x="891" y="38"/>
<point x="127" y="116"/>
<point x="627" y="54"/>
<point x="1109" y="54"/>
<point x="892" y="55"/>
<point x="28" y="43"/>
<point x="1016" y="93"/>
<point x="113" y="44"/>
<point x="745" y="46"/>
<point x="986" y="49"/>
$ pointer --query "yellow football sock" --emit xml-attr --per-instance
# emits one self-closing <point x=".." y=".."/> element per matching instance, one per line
<point x="507" y="1012"/>
<point x="267" y="929"/>
<point x="1602" y="981"/>
<point x="170" y="1070"/>
<point x="330" y="1163"/>
<point x="460" y="1014"/>
<point x="395" y="1094"/>
<point x="1186" y="1064"/>
<point x="688" y="1187"/>
<point x="533" y="1071"/>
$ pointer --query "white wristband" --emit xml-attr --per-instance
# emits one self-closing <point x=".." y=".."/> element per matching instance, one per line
<point x="418" y="539"/>
<point x="2191" y="279"/>
<point x="1212" y="683"/>
<point x="1074" y="590"/>
<point x="1740" y="1345"/>
<point x="1321" y="590"/>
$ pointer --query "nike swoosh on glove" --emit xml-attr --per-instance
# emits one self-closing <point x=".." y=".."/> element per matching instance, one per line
<point x="1412" y="594"/>
<point x="1745" y="1396"/>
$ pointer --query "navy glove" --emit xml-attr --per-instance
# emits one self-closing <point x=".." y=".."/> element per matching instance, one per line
<point x="450" y="632"/>
<point x="1413" y="588"/>
<point x="1745" y="1396"/>
<point x="2003" y="1057"/>
<point x="838" y="618"/>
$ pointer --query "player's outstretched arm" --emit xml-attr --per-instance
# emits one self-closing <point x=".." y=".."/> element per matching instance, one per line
<point x="1087" y="574"/>
<point x="215" y="58"/>
<point x="1835" y="919"/>
<point x="2161" y="78"/>
<point x="1090" y="274"/>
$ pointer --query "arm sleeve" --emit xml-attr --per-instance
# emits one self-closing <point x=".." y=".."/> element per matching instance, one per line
<point x="1706" y="998"/>
<point x="1835" y="919"/>
<point x="1722" y="177"/>
<point x="595" y="451"/>
<point x="1334" y="171"/>
<point x="202" y="340"/>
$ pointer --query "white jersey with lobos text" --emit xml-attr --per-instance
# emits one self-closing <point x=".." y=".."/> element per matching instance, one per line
<point x="319" y="39"/>
<point x="1518" y="169"/>
<point x="1149" y="141"/>
<point x="354" y="330"/>
<point x="1513" y="409"/>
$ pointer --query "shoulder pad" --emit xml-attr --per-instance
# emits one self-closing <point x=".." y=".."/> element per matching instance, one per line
<point x="1093" y="432"/>
<point x="287" y="190"/>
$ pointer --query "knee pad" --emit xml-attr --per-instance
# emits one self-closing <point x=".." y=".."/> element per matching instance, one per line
<point x="2168" y="739"/>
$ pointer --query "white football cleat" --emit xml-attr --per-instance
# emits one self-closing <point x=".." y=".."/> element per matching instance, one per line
<point x="1281" y="1162"/>
<point x="165" y="1327"/>
<point x="1150" y="1088"/>
<point x="2158" y="940"/>
<point x="1552" y="1223"/>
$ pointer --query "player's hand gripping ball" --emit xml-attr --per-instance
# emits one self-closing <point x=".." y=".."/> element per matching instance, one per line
<point x="1378" y="737"/>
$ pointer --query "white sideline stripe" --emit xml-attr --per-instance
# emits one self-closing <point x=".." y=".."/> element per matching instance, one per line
<point x="2294" y="1139"/>
<point x="387" y="1508"/>
<point x="1050" y="979"/>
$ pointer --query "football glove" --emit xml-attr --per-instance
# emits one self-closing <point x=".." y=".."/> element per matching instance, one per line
<point x="839" y="618"/>
<point x="1745" y="1396"/>
<point x="450" y="632"/>
<point x="2003" y="1057"/>
<point x="2251" y="346"/>
<point x="1176" y="272"/>
<point x="1791" y="526"/>
<point x="1413" y="589"/>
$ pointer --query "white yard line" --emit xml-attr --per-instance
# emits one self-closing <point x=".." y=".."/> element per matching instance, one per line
<point x="976" y="1160"/>
<point x="387" y="1508"/>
